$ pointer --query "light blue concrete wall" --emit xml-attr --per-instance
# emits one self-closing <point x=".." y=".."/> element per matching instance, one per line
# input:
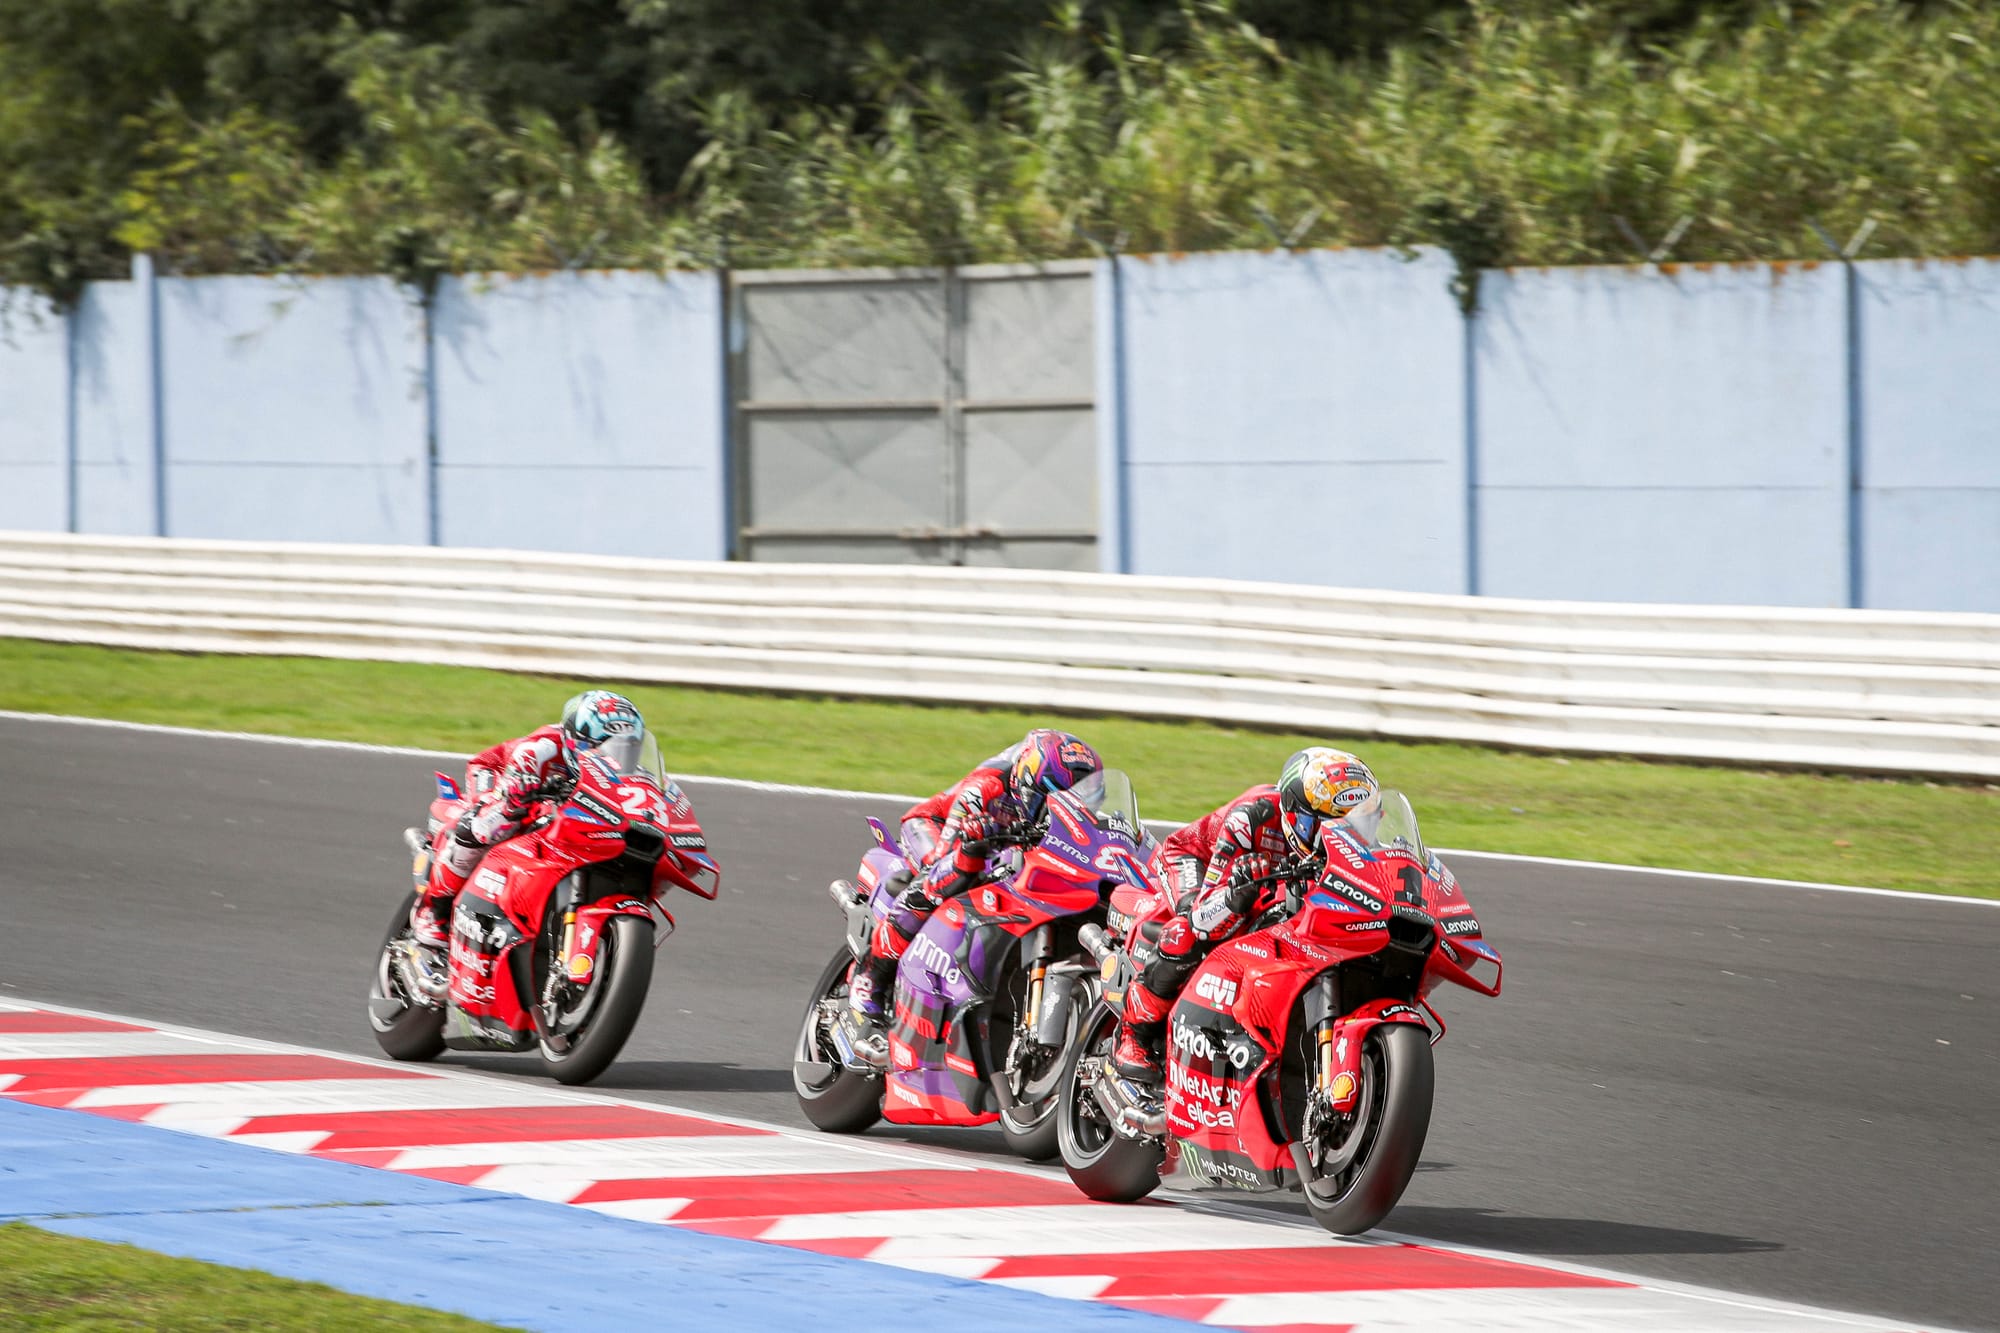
<point x="293" y="409"/>
<point x="114" y="411"/>
<point x="34" y="415"/>
<point x="582" y="412"/>
<point x="1637" y="435"/>
<point x="1675" y="436"/>
<point x="1294" y="416"/>
<point x="1930" y="412"/>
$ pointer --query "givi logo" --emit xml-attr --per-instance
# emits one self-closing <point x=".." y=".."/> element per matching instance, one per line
<point x="1216" y="990"/>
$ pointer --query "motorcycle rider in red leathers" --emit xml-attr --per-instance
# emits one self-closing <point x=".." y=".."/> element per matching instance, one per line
<point x="1210" y="867"/>
<point x="948" y="837"/>
<point x="505" y="781"/>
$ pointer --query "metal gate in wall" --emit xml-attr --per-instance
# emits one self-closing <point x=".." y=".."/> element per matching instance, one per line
<point x="915" y="416"/>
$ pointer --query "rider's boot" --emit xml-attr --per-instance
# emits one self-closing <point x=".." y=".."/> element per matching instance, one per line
<point x="1133" y="1056"/>
<point x="430" y="920"/>
<point x="866" y="1016"/>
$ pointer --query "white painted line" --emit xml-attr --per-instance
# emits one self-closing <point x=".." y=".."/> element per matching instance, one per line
<point x="838" y="793"/>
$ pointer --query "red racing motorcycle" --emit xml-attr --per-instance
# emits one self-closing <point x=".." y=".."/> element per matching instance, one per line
<point x="552" y="938"/>
<point x="1299" y="1054"/>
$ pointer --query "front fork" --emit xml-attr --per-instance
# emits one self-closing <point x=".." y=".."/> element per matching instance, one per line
<point x="1036" y="946"/>
<point x="1322" y="1005"/>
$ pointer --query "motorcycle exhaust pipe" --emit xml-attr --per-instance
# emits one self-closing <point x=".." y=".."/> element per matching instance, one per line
<point x="415" y="977"/>
<point x="1120" y="1101"/>
<point x="1095" y="941"/>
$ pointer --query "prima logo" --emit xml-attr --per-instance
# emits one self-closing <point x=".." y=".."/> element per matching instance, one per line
<point x="933" y="956"/>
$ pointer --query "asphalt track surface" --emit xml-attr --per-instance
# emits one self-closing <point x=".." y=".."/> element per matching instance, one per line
<point x="1782" y="1092"/>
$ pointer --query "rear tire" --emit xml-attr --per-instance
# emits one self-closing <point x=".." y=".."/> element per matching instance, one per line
<point x="626" y="975"/>
<point x="1387" y="1163"/>
<point x="1104" y="1164"/>
<point x="840" y="1101"/>
<point x="417" y="1032"/>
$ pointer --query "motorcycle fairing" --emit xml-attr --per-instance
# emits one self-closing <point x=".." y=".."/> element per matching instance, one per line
<point x="935" y="1076"/>
<point x="485" y="1010"/>
<point x="1226" y="1035"/>
<point x="938" y="1070"/>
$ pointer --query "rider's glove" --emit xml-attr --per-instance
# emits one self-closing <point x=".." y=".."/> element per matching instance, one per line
<point x="976" y="834"/>
<point x="1243" y="890"/>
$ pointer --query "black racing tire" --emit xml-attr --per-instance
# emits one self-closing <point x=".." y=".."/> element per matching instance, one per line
<point x="1105" y="1165"/>
<point x="417" y="1033"/>
<point x="1032" y="1139"/>
<point x="1033" y="1135"/>
<point x="1386" y="1165"/>
<point x="840" y="1101"/>
<point x="625" y="971"/>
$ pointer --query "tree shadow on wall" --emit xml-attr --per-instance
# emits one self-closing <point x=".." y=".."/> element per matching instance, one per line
<point x="1491" y="1229"/>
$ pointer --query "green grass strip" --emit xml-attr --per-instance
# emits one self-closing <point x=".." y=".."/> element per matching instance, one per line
<point x="1893" y="833"/>
<point x="51" y="1281"/>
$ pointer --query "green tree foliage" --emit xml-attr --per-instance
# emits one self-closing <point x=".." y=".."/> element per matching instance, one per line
<point x="426" y="136"/>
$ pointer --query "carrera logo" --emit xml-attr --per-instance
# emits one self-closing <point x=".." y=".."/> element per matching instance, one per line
<point x="1217" y="990"/>
<point x="1357" y="927"/>
<point x="491" y="880"/>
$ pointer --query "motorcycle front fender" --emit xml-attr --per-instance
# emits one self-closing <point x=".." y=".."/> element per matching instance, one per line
<point x="1350" y="1033"/>
<point x="586" y="936"/>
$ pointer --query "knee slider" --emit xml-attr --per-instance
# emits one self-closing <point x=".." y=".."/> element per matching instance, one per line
<point x="1165" y="976"/>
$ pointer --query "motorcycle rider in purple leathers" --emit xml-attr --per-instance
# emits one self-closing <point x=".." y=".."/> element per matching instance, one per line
<point x="989" y="801"/>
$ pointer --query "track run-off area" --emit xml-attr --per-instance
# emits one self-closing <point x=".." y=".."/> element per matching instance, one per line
<point x="1784" y="1092"/>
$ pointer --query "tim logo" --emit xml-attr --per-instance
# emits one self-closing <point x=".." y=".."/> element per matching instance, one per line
<point x="1216" y="990"/>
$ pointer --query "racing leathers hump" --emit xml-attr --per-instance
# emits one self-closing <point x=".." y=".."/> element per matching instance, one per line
<point x="1196" y="861"/>
<point x="509" y="777"/>
<point x="1201" y="865"/>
